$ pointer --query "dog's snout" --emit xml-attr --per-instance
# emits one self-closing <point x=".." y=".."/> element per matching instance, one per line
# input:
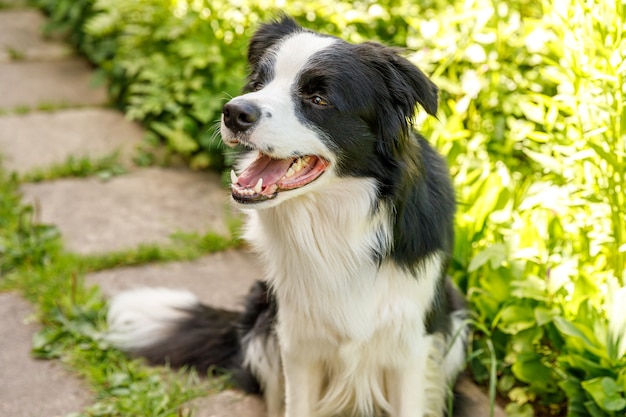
<point x="240" y="115"/>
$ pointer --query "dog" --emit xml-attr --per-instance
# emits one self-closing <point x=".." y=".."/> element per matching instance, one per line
<point x="351" y="212"/>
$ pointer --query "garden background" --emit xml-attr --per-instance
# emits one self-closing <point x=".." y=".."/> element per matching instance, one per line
<point x="532" y="120"/>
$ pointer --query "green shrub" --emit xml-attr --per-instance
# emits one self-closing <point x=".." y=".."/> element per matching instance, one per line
<point x="532" y="120"/>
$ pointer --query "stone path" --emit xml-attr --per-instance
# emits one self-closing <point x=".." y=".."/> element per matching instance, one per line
<point x="146" y="205"/>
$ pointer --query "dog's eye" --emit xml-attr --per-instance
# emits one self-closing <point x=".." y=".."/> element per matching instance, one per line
<point x="318" y="101"/>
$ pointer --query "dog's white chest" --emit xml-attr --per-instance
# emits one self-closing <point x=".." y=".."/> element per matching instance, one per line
<point x="351" y="331"/>
<point x="359" y="334"/>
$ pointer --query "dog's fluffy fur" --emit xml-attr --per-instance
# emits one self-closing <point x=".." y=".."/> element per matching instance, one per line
<point x="351" y="213"/>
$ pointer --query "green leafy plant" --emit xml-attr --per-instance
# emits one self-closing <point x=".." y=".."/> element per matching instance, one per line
<point x="21" y="241"/>
<point x="532" y="122"/>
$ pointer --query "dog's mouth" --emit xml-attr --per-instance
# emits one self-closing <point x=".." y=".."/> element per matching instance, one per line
<point x="265" y="177"/>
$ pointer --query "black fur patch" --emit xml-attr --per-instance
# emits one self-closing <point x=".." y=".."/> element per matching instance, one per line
<point x="205" y="339"/>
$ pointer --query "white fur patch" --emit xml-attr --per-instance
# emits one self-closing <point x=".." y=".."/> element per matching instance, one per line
<point x="454" y="357"/>
<point x="294" y="53"/>
<point x="262" y="355"/>
<point x="143" y="317"/>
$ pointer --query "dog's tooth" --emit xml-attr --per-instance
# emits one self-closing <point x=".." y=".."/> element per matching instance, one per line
<point x="298" y="165"/>
<point x="290" y="172"/>
<point x="259" y="186"/>
<point x="271" y="189"/>
<point x="233" y="176"/>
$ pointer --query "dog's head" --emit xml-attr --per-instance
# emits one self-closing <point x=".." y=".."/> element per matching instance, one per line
<point x="318" y="109"/>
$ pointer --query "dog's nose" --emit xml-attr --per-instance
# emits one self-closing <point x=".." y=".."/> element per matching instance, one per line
<point x="240" y="115"/>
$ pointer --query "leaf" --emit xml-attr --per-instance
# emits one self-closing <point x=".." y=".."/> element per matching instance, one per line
<point x="607" y="156"/>
<point x="606" y="393"/>
<point x="530" y="369"/>
<point x="527" y="340"/>
<point x="581" y="333"/>
<point x="177" y="139"/>
<point x="515" y="318"/>
<point x="519" y="410"/>
<point x="546" y="161"/>
<point x="591" y="368"/>
<point x="206" y="106"/>
<point x="593" y="410"/>
<point x="495" y="254"/>
<point x="544" y="315"/>
<point x="201" y="161"/>
<point x="534" y="112"/>
<point x="532" y="287"/>
<point x="485" y="196"/>
<point x="572" y="388"/>
<point x="46" y="343"/>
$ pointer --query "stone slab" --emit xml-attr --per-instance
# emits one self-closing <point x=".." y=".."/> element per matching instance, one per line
<point x="30" y="387"/>
<point x="32" y="83"/>
<point x="221" y="279"/>
<point x="145" y="206"/>
<point x="229" y="404"/>
<point x="20" y="37"/>
<point x="38" y="140"/>
<point x="476" y="401"/>
<point x="234" y="403"/>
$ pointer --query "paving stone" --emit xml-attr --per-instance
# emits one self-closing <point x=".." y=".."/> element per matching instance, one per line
<point x="30" y="387"/>
<point x="66" y="82"/>
<point x="37" y="140"/>
<point x="476" y="401"/>
<point x="20" y="35"/>
<point x="221" y="279"/>
<point x="235" y="403"/>
<point x="229" y="404"/>
<point x="145" y="206"/>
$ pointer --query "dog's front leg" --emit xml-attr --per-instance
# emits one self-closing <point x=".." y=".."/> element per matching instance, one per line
<point x="303" y="382"/>
<point x="407" y="387"/>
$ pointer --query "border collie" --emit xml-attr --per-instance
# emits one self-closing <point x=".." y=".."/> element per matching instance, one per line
<point x="351" y="212"/>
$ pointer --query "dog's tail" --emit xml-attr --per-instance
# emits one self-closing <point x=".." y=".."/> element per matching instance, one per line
<point x="173" y="327"/>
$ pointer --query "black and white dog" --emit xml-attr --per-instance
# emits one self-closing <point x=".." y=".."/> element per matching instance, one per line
<point x="352" y="214"/>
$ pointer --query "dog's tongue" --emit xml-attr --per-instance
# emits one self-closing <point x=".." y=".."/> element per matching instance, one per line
<point x="271" y="170"/>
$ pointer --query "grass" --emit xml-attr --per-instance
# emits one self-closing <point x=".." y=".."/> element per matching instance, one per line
<point x="15" y="55"/>
<point x="103" y="167"/>
<point x="44" y="106"/>
<point x="79" y="167"/>
<point x="34" y="263"/>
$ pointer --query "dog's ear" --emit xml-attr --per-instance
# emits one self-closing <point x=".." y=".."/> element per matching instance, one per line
<point x="267" y="35"/>
<point x="402" y="87"/>
<point x="407" y="85"/>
